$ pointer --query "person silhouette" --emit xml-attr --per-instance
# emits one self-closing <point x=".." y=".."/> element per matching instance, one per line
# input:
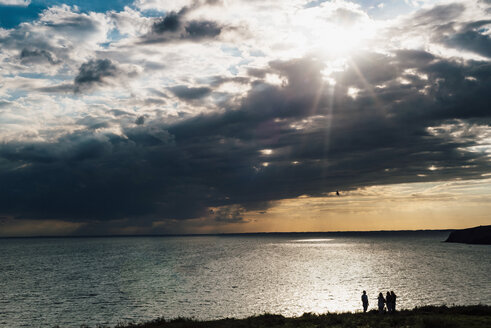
<point x="388" y="300"/>
<point x="394" y="297"/>
<point x="381" y="303"/>
<point x="364" y="300"/>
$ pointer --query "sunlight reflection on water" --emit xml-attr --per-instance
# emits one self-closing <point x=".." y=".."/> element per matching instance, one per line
<point x="107" y="280"/>
<point x="313" y="240"/>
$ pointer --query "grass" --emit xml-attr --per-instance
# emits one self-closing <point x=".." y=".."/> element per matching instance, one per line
<point x="477" y="316"/>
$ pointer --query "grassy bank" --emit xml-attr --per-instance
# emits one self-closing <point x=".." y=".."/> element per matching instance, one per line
<point x="478" y="316"/>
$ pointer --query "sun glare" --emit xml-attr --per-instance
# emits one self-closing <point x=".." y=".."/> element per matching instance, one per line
<point x="338" y="32"/>
<point x="338" y="41"/>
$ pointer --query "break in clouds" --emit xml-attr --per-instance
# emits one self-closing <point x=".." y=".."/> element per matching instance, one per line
<point x="209" y="110"/>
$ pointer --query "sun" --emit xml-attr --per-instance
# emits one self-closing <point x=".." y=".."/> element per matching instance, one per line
<point x="335" y="40"/>
<point x="335" y="33"/>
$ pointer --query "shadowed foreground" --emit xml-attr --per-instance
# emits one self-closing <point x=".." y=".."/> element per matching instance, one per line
<point x="478" y="316"/>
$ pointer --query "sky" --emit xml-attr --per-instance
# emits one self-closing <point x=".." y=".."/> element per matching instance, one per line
<point x="216" y="116"/>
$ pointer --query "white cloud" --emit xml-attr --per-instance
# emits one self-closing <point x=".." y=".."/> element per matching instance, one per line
<point x="64" y="39"/>
<point x="167" y="5"/>
<point x="22" y="3"/>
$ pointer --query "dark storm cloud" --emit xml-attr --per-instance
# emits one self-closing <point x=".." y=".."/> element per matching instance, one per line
<point x="320" y="139"/>
<point x="202" y="29"/>
<point x="188" y="93"/>
<point x="91" y="74"/>
<point x="140" y="120"/>
<point x="100" y="72"/>
<point x="366" y="68"/>
<point x="471" y="40"/>
<point x="170" y="23"/>
<point x="37" y="56"/>
<point x="230" y="214"/>
<point x="94" y="72"/>
<point x="414" y="58"/>
<point x="175" y="27"/>
<point x="444" y="25"/>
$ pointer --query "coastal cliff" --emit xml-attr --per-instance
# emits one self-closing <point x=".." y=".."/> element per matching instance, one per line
<point x="477" y="235"/>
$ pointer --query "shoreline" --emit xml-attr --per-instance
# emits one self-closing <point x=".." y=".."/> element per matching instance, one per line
<point x="468" y="316"/>
<point x="343" y="233"/>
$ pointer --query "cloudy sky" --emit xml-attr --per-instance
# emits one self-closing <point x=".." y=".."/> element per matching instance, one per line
<point x="203" y="116"/>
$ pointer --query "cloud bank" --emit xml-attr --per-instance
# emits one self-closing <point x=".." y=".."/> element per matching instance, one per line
<point x="122" y="119"/>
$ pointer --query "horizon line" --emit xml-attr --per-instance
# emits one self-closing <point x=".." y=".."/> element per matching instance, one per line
<point x="229" y="233"/>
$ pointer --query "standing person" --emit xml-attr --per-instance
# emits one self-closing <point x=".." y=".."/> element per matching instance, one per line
<point x="381" y="303"/>
<point x="364" y="300"/>
<point x="388" y="300"/>
<point x="394" y="297"/>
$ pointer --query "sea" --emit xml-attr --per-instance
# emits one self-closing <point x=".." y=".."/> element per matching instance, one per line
<point x="69" y="282"/>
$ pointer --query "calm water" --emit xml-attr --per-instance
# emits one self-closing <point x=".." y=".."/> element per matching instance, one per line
<point x="44" y="282"/>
